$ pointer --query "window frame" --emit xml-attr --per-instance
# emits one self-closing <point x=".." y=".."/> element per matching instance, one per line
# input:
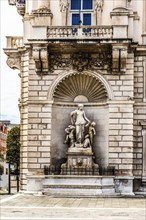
<point x="81" y="12"/>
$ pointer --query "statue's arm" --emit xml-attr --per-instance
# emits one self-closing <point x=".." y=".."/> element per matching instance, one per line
<point x="94" y="132"/>
<point x="85" y="117"/>
<point x="73" y="117"/>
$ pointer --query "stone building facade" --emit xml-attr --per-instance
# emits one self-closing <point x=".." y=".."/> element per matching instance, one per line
<point x="92" y="52"/>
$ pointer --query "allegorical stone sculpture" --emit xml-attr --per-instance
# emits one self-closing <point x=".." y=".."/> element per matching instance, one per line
<point x="81" y="131"/>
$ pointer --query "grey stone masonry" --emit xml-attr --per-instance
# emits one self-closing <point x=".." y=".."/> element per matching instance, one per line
<point x="121" y="136"/>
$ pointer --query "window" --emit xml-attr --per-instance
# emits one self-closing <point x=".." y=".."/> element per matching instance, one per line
<point x="81" y="12"/>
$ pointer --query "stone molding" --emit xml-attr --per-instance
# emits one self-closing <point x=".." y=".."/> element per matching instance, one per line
<point x="68" y="73"/>
<point x="42" y="11"/>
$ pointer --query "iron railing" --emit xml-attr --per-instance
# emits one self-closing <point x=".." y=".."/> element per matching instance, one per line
<point x="65" y="170"/>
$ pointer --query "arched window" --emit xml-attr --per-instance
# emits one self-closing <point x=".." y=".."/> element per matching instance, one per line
<point x="81" y="12"/>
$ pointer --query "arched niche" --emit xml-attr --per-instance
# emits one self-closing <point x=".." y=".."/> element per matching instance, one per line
<point x="93" y="91"/>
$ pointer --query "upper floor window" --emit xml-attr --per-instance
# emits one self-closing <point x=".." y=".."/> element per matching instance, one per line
<point x="81" y="12"/>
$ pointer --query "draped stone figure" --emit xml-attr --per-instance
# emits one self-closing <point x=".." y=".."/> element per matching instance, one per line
<point x="79" y="119"/>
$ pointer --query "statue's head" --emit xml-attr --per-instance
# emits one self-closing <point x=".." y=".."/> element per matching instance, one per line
<point x="80" y="106"/>
<point x="93" y="123"/>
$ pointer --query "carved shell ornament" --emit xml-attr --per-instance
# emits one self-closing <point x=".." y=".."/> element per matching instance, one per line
<point x="80" y="84"/>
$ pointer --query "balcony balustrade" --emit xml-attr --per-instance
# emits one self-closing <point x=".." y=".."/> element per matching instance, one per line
<point x="14" y="42"/>
<point x="79" y="32"/>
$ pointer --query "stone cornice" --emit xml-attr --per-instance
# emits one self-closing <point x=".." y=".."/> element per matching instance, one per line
<point x="120" y="102"/>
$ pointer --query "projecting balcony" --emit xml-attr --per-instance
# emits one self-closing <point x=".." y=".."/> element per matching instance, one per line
<point x="79" y="32"/>
<point x="14" y="42"/>
<point x="14" y="46"/>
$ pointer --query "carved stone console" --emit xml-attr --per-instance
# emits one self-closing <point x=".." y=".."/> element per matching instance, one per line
<point x="119" y="57"/>
<point x="40" y="55"/>
<point x="13" y="62"/>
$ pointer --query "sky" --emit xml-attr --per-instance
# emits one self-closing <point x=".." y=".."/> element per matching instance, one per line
<point x="10" y="25"/>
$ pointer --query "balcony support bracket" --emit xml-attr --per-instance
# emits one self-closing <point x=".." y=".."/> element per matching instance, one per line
<point x="119" y="58"/>
<point x="40" y="56"/>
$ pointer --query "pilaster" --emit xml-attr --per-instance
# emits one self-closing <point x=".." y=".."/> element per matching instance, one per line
<point x="98" y="7"/>
<point x="120" y="22"/>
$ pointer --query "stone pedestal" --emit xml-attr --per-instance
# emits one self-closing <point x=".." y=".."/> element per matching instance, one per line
<point x="79" y="162"/>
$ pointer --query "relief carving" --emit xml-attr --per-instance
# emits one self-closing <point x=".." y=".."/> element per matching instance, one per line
<point x="64" y="8"/>
<point x="64" y="5"/>
<point x="13" y="62"/>
<point x="42" y="10"/>
<point x="80" y="61"/>
<point x="99" y="5"/>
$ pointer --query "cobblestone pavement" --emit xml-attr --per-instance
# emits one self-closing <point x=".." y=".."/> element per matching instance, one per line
<point x="31" y="207"/>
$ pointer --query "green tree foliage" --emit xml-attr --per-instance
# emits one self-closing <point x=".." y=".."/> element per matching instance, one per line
<point x="13" y="146"/>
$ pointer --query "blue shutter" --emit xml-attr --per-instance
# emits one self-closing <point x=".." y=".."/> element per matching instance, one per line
<point x="75" y="4"/>
<point x="75" y="19"/>
<point x="87" y="19"/>
<point x="87" y="4"/>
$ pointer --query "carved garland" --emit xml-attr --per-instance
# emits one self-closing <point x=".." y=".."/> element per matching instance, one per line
<point x="80" y="61"/>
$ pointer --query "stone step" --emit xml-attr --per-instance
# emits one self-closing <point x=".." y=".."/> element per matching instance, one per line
<point x="79" y="180"/>
<point x="78" y="186"/>
<point x="78" y="191"/>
